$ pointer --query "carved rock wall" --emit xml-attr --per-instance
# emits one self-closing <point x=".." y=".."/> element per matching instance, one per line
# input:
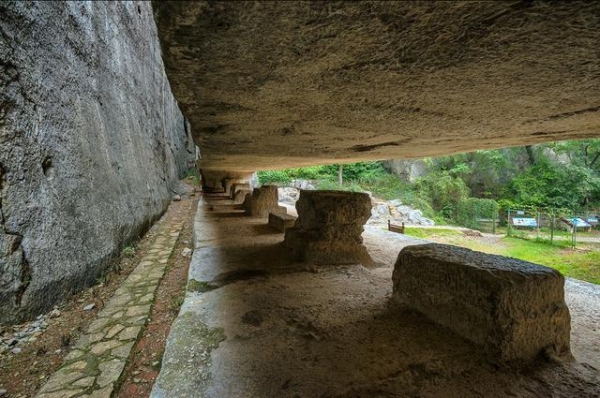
<point x="92" y="143"/>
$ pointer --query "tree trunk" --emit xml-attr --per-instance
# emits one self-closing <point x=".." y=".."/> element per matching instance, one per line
<point x="530" y="155"/>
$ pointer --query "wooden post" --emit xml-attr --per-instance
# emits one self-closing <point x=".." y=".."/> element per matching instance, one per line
<point x="341" y="175"/>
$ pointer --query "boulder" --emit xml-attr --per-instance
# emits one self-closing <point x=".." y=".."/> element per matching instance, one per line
<point x="513" y="310"/>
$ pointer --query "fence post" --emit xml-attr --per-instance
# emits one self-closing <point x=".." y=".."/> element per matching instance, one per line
<point x="574" y="234"/>
<point x="494" y="217"/>
<point x="552" y="228"/>
<point x="538" y="225"/>
<point x="508" y="227"/>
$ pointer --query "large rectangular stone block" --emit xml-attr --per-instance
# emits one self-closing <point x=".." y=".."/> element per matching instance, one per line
<point x="513" y="309"/>
<point x="329" y="227"/>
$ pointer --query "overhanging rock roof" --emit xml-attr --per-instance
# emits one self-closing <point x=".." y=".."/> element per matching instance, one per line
<point x="277" y="84"/>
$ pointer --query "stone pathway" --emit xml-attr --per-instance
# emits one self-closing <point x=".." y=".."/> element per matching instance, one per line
<point x="93" y="368"/>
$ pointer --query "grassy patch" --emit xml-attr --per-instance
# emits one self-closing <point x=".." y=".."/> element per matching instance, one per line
<point x="572" y="263"/>
<point x="200" y="287"/>
<point x="432" y="233"/>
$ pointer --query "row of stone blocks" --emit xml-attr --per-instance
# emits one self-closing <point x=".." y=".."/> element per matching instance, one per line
<point x="513" y="310"/>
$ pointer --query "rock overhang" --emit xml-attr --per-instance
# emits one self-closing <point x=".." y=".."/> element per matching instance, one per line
<point x="281" y="84"/>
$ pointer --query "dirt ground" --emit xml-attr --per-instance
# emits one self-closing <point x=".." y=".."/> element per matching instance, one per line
<point x="270" y="327"/>
<point x="23" y="374"/>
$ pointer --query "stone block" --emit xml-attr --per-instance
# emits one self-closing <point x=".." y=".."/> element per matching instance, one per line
<point x="329" y="227"/>
<point x="262" y="201"/>
<point x="229" y="184"/>
<point x="281" y="221"/>
<point x="240" y="197"/>
<point x="512" y="309"/>
<point x="237" y="187"/>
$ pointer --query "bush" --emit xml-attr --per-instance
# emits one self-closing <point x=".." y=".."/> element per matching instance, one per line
<point x="356" y="172"/>
<point x="273" y="177"/>
<point x="334" y="186"/>
<point x="443" y="191"/>
<point x="470" y="210"/>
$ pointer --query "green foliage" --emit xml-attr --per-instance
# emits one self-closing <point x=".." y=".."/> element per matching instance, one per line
<point x="388" y="186"/>
<point x="273" y="177"/>
<point x="564" y="175"/>
<point x="470" y="210"/>
<point x="443" y="191"/>
<point x="129" y="251"/>
<point x="362" y="171"/>
<point x="192" y="176"/>
<point x="329" y="185"/>
<point x="550" y="184"/>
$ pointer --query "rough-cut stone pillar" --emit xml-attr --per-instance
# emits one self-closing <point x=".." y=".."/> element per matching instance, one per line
<point x="262" y="201"/>
<point x="240" y="196"/>
<point x="236" y="187"/>
<point x="513" y="309"/>
<point x="221" y="181"/>
<point x="329" y="227"/>
<point x="230" y="185"/>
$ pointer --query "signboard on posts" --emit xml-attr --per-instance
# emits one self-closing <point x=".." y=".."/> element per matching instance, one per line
<point x="524" y="222"/>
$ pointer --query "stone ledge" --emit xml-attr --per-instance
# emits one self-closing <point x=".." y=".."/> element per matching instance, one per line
<point x="281" y="221"/>
<point x="513" y="309"/>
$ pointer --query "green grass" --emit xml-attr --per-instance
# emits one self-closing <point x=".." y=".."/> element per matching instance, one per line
<point x="192" y="176"/>
<point x="432" y="233"/>
<point x="129" y="251"/>
<point x="578" y="264"/>
<point x="575" y="264"/>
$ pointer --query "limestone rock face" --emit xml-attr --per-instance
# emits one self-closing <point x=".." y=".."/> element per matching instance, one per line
<point x="329" y="227"/>
<point x="262" y="201"/>
<point x="513" y="309"/>
<point x="91" y="144"/>
<point x="327" y="82"/>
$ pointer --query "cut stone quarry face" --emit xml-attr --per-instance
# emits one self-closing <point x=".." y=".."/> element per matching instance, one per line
<point x="279" y="84"/>
<point x="329" y="227"/>
<point x="513" y="309"/>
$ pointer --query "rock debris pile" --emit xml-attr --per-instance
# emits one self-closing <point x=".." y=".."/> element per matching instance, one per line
<point x="381" y="211"/>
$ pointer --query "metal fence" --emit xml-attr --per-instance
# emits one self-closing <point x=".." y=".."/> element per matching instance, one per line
<point x="554" y="226"/>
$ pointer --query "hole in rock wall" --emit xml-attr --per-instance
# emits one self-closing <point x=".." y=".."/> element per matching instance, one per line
<point x="48" y="168"/>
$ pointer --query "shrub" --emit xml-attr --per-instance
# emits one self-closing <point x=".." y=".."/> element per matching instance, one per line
<point x="273" y="177"/>
<point x="470" y="210"/>
<point x="443" y="191"/>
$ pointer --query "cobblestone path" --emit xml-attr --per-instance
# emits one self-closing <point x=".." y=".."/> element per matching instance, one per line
<point x="93" y="368"/>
